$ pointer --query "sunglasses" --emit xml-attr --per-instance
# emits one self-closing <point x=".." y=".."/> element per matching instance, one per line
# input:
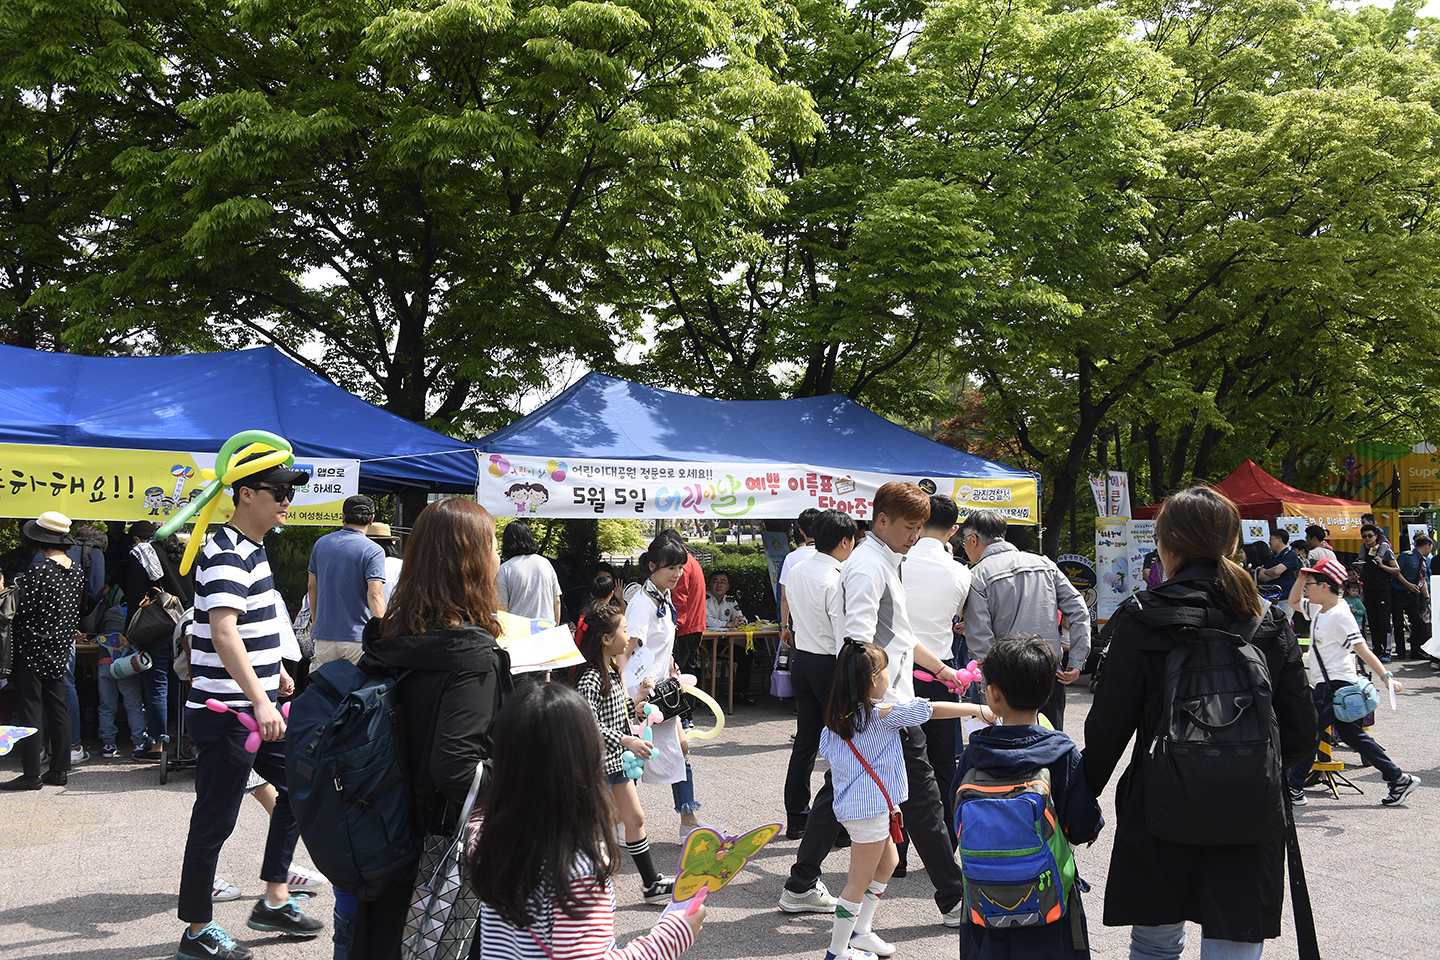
<point x="280" y="493"/>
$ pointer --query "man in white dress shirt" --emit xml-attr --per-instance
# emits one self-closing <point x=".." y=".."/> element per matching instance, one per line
<point x="817" y="613"/>
<point x="935" y="590"/>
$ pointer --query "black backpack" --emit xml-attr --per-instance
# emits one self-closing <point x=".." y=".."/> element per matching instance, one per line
<point x="9" y="605"/>
<point x="1212" y="772"/>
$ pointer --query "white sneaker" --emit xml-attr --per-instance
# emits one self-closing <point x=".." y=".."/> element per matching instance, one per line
<point x="871" y="942"/>
<point x="79" y="754"/>
<point x="305" y="881"/>
<point x="815" y="900"/>
<point x="686" y="829"/>
<point x="220" y="891"/>
<point x="955" y="918"/>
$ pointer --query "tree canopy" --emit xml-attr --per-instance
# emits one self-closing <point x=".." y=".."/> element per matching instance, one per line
<point x="1143" y="235"/>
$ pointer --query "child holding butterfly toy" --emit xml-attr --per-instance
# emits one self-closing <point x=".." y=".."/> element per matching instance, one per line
<point x="601" y="634"/>
<point x="867" y="765"/>
<point x="543" y="851"/>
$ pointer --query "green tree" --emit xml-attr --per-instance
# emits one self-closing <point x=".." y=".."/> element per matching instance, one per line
<point x="429" y="191"/>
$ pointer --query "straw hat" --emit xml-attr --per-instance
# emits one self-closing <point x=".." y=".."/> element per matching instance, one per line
<point x="380" y="531"/>
<point x="51" y="528"/>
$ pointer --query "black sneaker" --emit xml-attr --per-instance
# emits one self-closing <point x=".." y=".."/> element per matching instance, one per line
<point x="212" y="943"/>
<point x="1400" y="789"/>
<point x="288" y="918"/>
<point x="1297" y="797"/>
<point x="659" y="891"/>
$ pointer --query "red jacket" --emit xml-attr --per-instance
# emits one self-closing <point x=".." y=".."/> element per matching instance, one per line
<point x="688" y="595"/>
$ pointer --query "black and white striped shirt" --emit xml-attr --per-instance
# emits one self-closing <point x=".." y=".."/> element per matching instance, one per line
<point x="234" y="573"/>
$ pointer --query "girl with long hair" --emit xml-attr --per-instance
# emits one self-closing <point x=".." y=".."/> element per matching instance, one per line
<point x="440" y="626"/>
<point x="867" y="768"/>
<point x="601" y="636"/>
<point x="544" y="849"/>
<point x="1234" y="892"/>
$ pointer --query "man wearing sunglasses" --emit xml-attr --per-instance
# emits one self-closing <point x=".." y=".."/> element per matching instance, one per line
<point x="235" y="659"/>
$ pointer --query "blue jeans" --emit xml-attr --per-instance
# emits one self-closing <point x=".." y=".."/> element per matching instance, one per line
<point x="1351" y="733"/>
<point x="343" y="918"/>
<point x="156" y="683"/>
<point x="684" y="792"/>
<point x="72" y="701"/>
<point x="1167" y="942"/>
<point x="111" y="690"/>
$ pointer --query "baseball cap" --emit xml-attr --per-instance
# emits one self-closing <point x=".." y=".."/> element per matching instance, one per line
<point x="1331" y="570"/>
<point x="358" y="509"/>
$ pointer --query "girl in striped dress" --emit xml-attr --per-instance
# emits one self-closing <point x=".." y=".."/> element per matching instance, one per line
<point x="544" y="847"/>
<point x="867" y="770"/>
<point x="601" y="634"/>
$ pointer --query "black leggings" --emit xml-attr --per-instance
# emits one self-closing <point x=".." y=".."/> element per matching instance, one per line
<point x="32" y="697"/>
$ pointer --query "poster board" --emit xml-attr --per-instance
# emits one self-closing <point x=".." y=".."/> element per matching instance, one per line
<point x="106" y="483"/>
<point x="1141" y="537"/>
<point x="1254" y="531"/>
<point x="1112" y="566"/>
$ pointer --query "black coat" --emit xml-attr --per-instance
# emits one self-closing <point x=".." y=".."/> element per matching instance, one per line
<point x="458" y="680"/>
<point x="1234" y="892"/>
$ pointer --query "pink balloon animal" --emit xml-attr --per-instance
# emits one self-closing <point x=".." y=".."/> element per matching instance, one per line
<point x="252" y="742"/>
<point x="964" y="676"/>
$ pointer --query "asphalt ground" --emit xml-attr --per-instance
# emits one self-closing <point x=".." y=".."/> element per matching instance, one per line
<point x="91" y="869"/>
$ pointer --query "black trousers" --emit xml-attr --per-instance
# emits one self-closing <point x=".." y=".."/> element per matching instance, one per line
<point x="811" y="676"/>
<point x="922" y="811"/>
<point x="1377" y="614"/>
<point x="34" y="696"/>
<point x="1405" y="606"/>
<point x="1055" y="707"/>
<point x="940" y="738"/>
<point x="221" y="769"/>
<point x="686" y="646"/>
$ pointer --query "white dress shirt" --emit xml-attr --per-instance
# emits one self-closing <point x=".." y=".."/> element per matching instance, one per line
<point x="793" y="559"/>
<point x="935" y="591"/>
<point x="875" y="611"/>
<point x="815" y="604"/>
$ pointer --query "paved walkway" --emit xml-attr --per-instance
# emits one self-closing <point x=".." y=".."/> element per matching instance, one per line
<point x="91" y="870"/>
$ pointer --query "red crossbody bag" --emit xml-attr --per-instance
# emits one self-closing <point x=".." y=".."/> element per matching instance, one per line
<point x="897" y="823"/>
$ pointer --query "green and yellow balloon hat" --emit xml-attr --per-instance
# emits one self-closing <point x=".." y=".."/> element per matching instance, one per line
<point x="231" y="464"/>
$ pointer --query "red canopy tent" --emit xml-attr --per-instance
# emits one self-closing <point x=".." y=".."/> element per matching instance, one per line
<point x="1259" y="495"/>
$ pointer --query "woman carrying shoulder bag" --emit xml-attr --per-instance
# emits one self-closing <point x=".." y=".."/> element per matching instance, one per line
<point x="156" y="565"/>
<point x="440" y="625"/>
<point x="1233" y="890"/>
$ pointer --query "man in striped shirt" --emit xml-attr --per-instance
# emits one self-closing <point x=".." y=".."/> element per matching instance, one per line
<point x="235" y="659"/>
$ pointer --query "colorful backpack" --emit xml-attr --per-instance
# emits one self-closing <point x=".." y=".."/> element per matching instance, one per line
<point x="1017" y="864"/>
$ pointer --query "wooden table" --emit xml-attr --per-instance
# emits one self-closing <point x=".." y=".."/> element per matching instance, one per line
<point x="714" y="637"/>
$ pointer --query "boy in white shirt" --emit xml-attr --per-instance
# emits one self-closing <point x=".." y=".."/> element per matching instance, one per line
<point x="1334" y="637"/>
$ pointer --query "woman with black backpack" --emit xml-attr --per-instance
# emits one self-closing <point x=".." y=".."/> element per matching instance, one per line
<point x="1179" y="856"/>
<point x="155" y="564"/>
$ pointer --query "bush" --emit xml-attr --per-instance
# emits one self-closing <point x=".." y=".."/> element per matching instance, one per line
<point x="288" y="551"/>
<point x="749" y="583"/>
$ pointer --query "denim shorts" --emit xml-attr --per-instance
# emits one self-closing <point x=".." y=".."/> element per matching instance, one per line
<point x="616" y="779"/>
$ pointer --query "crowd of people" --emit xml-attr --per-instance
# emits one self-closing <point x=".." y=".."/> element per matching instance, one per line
<point x="882" y="624"/>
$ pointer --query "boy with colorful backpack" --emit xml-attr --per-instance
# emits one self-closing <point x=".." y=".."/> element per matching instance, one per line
<point x="1017" y="780"/>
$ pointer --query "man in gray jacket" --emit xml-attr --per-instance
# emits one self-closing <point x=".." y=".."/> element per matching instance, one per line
<point x="1012" y="592"/>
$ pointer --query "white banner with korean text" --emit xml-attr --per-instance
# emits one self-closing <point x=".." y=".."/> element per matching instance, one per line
<point x="537" y="487"/>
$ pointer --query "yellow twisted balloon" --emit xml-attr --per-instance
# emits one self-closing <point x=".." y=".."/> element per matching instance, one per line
<point x="709" y="701"/>
<point x="202" y="508"/>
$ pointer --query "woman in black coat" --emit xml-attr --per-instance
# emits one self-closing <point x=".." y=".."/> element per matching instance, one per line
<point x="1235" y="892"/>
<point x="156" y="563"/>
<point x="440" y="625"/>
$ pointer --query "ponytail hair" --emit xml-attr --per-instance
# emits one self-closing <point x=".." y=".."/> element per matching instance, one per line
<point x="848" y="711"/>
<point x="598" y="621"/>
<point x="1201" y="523"/>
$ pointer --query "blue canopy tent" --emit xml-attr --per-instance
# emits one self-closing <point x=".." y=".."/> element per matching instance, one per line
<point x="606" y="434"/>
<point x="195" y="402"/>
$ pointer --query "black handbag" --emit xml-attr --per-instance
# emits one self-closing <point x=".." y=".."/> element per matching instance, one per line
<point x="666" y="697"/>
<point x="153" y="623"/>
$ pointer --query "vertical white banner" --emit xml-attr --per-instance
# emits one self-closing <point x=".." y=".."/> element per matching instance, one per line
<point x="1119" y="493"/>
<point x="1112" y="566"/>
<point x="1097" y="487"/>
<point x="1141" y="537"/>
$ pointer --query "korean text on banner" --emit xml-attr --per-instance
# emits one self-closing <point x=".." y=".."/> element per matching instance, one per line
<point x="1112" y="566"/>
<point x="103" y="483"/>
<point x="535" y="487"/>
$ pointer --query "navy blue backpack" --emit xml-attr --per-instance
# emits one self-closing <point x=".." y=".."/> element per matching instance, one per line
<point x="346" y="775"/>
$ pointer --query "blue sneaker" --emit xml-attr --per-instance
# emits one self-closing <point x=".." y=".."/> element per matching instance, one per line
<point x="212" y="943"/>
<point x="109" y="751"/>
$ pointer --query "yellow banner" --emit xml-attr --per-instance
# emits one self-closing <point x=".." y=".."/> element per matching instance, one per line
<point x="1019" y="500"/>
<point x="103" y="483"/>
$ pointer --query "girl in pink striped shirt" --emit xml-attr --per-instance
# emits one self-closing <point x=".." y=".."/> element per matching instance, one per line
<point x="546" y="850"/>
